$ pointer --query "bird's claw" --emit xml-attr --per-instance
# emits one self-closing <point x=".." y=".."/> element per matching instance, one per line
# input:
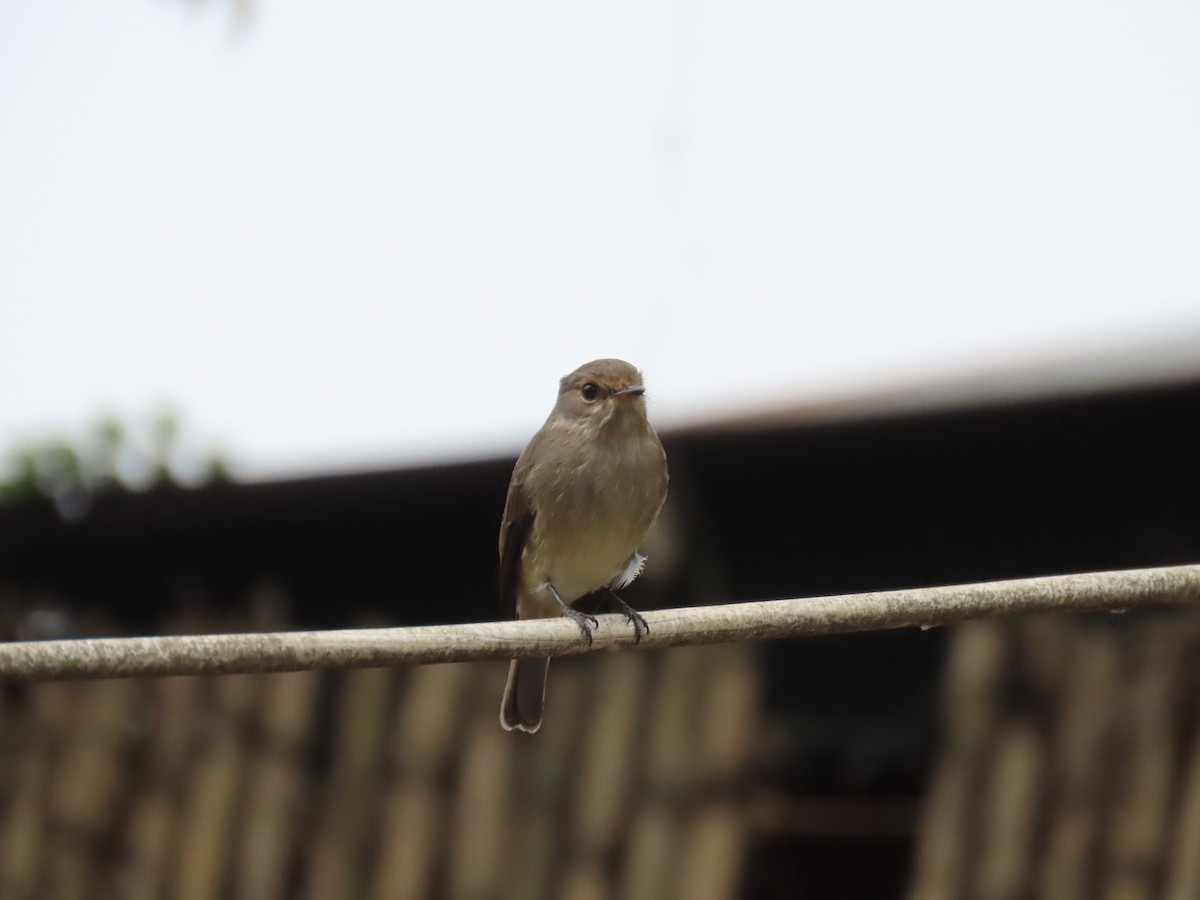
<point x="639" y="623"/>
<point x="632" y="616"/>
<point x="585" y="622"/>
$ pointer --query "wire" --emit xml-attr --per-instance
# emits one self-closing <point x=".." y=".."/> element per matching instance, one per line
<point x="212" y="654"/>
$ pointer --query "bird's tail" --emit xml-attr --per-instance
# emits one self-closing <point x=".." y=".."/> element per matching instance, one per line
<point x="524" y="694"/>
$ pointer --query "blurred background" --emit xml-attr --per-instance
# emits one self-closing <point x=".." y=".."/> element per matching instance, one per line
<point x="284" y="288"/>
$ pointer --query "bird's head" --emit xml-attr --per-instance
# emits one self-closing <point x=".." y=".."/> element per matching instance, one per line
<point x="606" y="392"/>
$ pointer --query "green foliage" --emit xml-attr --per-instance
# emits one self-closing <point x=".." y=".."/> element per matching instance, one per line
<point x="111" y="456"/>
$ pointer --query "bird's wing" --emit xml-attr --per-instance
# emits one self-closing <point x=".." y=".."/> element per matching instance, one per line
<point x="514" y="533"/>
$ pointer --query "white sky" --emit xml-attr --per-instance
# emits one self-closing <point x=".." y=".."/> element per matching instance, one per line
<point x="364" y="234"/>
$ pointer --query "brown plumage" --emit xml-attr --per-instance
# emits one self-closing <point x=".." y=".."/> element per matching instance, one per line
<point x="583" y="495"/>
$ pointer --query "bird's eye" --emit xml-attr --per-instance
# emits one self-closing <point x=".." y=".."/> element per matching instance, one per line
<point x="589" y="392"/>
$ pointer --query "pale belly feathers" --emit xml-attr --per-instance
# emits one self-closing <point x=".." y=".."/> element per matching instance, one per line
<point x="584" y="538"/>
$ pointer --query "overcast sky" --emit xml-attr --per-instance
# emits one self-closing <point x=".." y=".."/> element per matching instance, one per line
<point x="365" y="234"/>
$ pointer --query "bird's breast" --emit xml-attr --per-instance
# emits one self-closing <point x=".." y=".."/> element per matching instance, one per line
<point x="591" y="513"/>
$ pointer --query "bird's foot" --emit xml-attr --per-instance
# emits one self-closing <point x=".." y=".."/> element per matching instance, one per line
<point x="585" y="622"/>
<point x="632" y="616"/>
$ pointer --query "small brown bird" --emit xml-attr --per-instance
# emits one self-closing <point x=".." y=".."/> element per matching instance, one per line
<point x="583" y="495"/>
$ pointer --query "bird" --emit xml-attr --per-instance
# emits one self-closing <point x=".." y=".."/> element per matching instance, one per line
<point x="582" y="496"/>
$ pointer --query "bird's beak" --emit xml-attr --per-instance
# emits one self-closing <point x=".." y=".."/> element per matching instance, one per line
<point x="634" y="390"/>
